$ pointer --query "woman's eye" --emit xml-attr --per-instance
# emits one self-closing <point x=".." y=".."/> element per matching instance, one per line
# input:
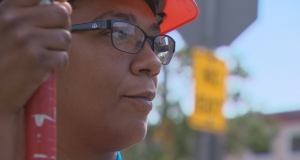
<point x="100" y="33"/>
<point x="119" y="34"/>
<point x="139" y="44"/>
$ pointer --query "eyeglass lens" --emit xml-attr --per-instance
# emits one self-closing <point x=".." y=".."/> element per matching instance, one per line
<point x="129" y="38"/>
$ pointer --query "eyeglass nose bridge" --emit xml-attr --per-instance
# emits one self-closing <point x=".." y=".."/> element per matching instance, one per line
<point x="152" y="45"/>
<point x="150" y="41"/>
<point x="147" y="39"/>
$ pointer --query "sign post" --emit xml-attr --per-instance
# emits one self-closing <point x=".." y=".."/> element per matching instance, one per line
<point x="209" y="74"/>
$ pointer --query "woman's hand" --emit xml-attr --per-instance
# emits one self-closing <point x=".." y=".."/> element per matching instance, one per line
<point x="34" y="40"/>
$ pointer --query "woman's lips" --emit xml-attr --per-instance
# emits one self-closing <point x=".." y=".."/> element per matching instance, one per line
<point x="140" y="103"/>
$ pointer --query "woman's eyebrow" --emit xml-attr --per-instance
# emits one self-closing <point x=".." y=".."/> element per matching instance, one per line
<point x="115" y="14"/>
<point x="124" y="16"/>
<point x="155" y="27"/>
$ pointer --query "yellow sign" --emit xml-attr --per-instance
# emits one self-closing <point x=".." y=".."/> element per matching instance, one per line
<point x="210" y="74"/>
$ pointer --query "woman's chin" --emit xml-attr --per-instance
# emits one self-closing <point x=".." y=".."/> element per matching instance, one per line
<point x="133" y="135"/>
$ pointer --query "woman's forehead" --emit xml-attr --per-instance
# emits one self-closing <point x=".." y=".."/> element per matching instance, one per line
<point x="116" y="15"/>
<point x="137" y="11"/>
<point x="125" y="17"/>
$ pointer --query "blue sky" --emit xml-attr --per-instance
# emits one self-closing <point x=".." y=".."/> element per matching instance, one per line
<point x="269" y="50"/>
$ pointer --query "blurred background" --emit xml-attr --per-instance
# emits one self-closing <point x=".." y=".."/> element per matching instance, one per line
<point x="231" y="91"/>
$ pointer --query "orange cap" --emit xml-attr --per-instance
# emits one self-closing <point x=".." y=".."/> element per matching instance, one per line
<point x="178" y="13"/>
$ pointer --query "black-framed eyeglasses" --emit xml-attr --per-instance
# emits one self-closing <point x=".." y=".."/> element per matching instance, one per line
<point x="130" y="38"/>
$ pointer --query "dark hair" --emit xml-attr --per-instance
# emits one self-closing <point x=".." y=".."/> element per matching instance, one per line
<point x="152" y="5"/>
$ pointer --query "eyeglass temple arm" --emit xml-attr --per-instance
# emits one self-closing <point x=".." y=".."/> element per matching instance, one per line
<point x="90" y="26"/>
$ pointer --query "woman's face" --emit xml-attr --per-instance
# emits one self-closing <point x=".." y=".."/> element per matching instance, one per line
<point x="104" y="96"/>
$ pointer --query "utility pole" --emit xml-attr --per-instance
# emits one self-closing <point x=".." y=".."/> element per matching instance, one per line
<point x="208" y="146"/>
<point x="220" y="22"/>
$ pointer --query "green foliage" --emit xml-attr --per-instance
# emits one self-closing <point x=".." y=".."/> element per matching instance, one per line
<point x="251" y="131"/>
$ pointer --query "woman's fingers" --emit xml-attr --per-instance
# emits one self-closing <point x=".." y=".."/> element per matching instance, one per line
<point x="45" y="16"/>
<point x="66" y="5"/>
<point x="34" y="42"/>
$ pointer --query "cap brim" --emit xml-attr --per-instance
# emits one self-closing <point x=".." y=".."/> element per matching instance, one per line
<point x="178" y="13"/>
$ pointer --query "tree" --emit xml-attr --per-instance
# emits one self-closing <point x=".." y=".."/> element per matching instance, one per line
<point x="252" y="131"/>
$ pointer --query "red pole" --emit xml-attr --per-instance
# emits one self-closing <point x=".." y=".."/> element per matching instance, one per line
<point x="40" y="120"/>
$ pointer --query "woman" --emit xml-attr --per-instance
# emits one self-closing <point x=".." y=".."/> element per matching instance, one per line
<point x="106" y="92"/>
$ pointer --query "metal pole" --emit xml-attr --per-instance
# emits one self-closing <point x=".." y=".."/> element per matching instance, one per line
<point x="207" y="144"/>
